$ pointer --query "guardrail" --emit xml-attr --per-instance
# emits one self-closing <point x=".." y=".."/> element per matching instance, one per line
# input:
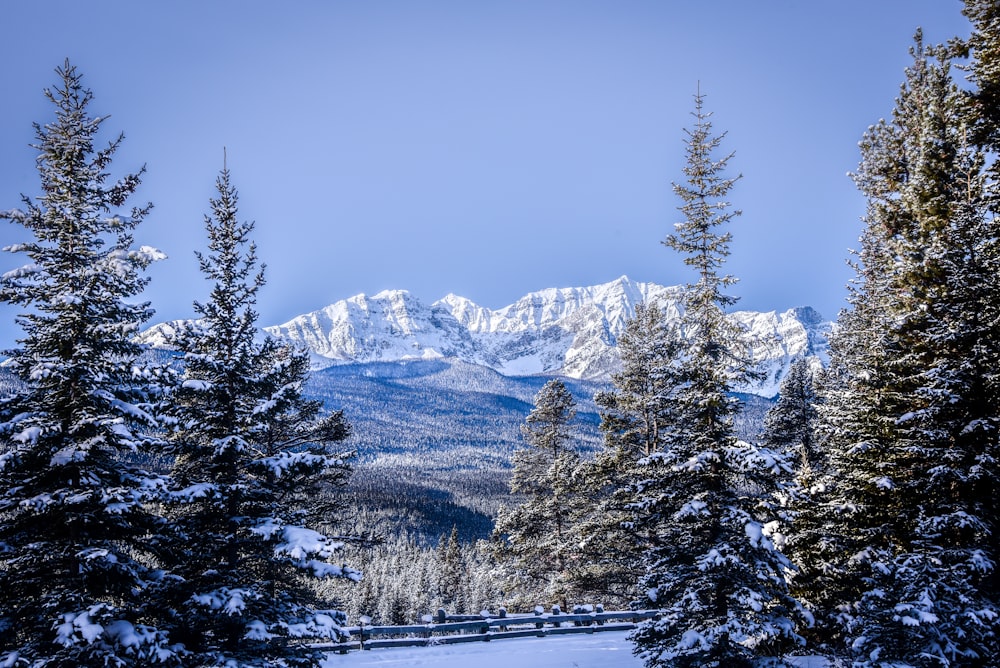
<point x="442" y="629"/>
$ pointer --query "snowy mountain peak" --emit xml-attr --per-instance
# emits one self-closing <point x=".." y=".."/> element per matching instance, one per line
<point x="565" y="331"/>
<point x="162" y="335"/>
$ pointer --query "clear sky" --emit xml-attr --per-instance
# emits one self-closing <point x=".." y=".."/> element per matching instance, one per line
<point x="477" y="147"/>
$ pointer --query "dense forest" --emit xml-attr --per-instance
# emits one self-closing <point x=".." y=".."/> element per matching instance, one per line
<point x="220" y="505"/>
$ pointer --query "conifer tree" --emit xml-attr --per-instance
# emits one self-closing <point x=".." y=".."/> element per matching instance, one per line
<point x="984" y="111"/>
<point x="253" y="462"/>
<point x="791" y="428"/>
<point x="77" y="545"/>
<point x="790" y="423"/>
<point x="451" y="571"/>
<point x="707" y="498"/>
<point x="636" y="418"/>
<point x="540" y="533"/>
<point x="983" y="45"/>
<point x="912" y="432"/>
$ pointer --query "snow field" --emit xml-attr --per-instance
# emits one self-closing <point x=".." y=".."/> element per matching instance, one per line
<point x="600" y="650"/>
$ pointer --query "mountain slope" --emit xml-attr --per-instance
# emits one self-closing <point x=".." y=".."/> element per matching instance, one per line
<point x="570" y="332"/>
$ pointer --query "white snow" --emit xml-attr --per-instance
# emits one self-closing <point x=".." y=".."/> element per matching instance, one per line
<point x="196" y="385"/>
<point x="693" y="507"/>
<point x="690" y="638"/>
<point x="77" y="626"/>
<point x="230" y="601"/>
<point x="610" y="649"/>
<point x="301" y="542"/>
<point x="29" y="435"/>
<point x="122" y="632"/>
<point x="565" y="331"/>
<point x="257" y="630"/>
<point x="755" y="533"/>
<point x="197" y="491"/>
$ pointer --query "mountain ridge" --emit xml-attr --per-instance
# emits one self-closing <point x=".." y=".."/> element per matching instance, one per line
<point x="569" y="332"/>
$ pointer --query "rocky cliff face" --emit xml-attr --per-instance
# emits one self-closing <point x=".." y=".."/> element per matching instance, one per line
<point x="566" y="331"/>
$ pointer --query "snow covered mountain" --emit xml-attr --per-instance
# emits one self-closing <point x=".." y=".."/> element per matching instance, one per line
<point x="558" y="331"/>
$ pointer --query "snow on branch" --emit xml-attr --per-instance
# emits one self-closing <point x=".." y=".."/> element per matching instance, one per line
<point x="285" y="462"/>
<point x="230" y="601"/>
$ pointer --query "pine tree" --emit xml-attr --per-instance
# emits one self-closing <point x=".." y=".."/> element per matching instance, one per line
<point x="451" y="571"/>
<point x="912" y="431"/>
<point x="984" y="112"/>
<point x="541" y="531"/>
<point x="636" y="418"/>
<point x="790" y="424"/>
<point x="791" y="428"/>
<point x="707" y="498"/>
<point x="984" y="72"/>
<point x="77" y="546"/>
<point x="254" y="462"/>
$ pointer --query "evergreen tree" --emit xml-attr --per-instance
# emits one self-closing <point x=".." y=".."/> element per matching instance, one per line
<point x="636" y="417"/>
<point x="984" y="47"/>
<point x="912" y="428"/>
<point x="77" y="546"/>
<point x="790" y="423"/>
<point x="791" y="428"/>
<point x="253" y="462"/>
<point x="707" y="498"/>
<point x="451" y="571"/>
<point x="540" y="533"/>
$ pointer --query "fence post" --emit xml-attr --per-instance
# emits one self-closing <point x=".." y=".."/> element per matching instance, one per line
<point x="427" y="620"/>
<point x="361" y="629"/>
<point x="555" y="612"/>
<point x="442" y="616"/>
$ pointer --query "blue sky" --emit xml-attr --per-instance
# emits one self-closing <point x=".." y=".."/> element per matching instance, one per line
<point x="483" y="148"/>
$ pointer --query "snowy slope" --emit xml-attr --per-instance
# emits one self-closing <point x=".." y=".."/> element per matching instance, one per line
<point x="392" y="325"/>
<point x="559" y="331"/>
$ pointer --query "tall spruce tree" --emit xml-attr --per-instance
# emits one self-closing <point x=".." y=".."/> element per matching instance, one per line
<point x="984" y="47"/>
<point x="636" y="418"/>
<point x="77" y="545"/>
<point x="707" y="498"/>
<point x="538" y="537"/>
<point x="912" y="430"/>
<point x="255" y="465"/>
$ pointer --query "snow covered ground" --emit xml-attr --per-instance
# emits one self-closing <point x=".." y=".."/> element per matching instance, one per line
<point x="610" y="649"/>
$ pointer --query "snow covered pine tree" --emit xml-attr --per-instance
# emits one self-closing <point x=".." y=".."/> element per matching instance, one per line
<point x="76" y="541"/>
<point x="706" y="498"/>
<point x="791" y="428"/>
<point x="636" y="417"/>
<point x="913" y="424"/>
<point x="254" y="463"/>
<point x="983" y="46"/>
<point x="538" y="537"/>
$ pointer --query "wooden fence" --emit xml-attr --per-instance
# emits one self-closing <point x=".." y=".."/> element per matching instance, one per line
<point x="444" y="629"/>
